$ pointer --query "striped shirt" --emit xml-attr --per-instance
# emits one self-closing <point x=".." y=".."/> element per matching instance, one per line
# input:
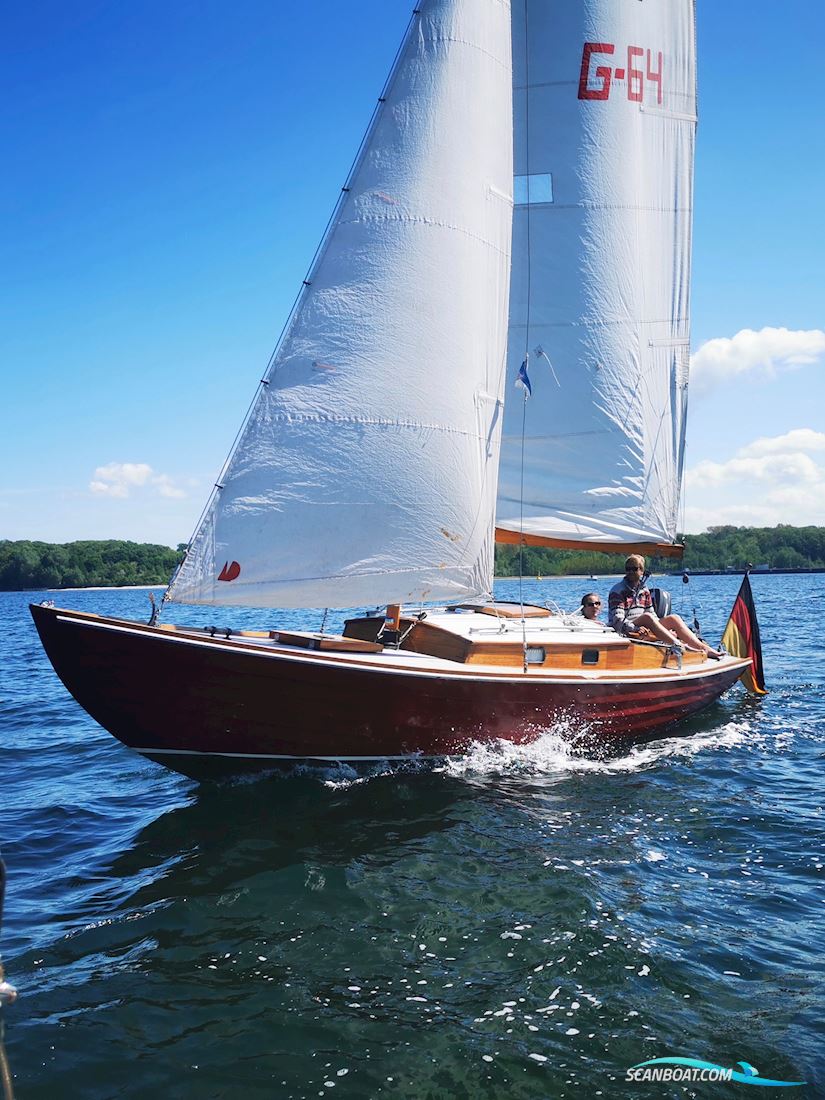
<point x="625" y="604"/>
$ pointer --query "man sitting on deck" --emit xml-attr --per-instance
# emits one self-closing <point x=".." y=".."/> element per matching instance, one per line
<point x="631" y="612"/>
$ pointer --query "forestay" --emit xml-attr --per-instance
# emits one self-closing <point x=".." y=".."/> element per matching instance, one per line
<point x="366" y="472"/>
<point x="605" y="114"/>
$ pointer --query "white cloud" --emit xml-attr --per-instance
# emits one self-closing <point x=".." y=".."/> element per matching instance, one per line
<point x="759" y="354"/>
<point x="774" y="469"/>
<point x="118" y="479"/>
<point x="166" y="487"/>
<point x="769" y="481"/>
<point x="800" y="439"/>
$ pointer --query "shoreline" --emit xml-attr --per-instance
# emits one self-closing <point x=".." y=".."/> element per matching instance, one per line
<point x="532" y="578"/>
<point x="790" y="571"/>
<point x="101" y="588"/>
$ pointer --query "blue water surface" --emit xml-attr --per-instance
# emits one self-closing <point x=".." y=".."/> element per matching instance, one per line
<point x="518" y="922"/>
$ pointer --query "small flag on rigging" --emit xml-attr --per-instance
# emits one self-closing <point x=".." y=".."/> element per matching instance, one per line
<point x="741" y="638"/>
<point x="523" y="380"/>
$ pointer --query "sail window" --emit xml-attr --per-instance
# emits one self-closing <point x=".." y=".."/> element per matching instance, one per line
<point x="532" y="189"/>
<point x="535" y="655"/>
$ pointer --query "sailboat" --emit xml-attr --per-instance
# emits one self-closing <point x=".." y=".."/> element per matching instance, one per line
<point x="491" y="344"/>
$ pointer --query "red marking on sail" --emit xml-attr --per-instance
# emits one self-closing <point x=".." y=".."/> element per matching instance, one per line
<point x="230" y="571"/>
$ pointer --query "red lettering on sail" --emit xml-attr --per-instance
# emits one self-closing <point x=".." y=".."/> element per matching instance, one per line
<point x="230" y="571"/>
<point x="604" y="78"/>
<point x="635" y="77"/>
<point x="602" y="71"/>
<point x="655" y="76"/>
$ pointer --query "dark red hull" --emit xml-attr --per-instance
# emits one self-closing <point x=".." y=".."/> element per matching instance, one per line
<point x="174" y="696"/>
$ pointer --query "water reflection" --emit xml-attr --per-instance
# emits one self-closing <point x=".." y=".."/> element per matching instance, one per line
<point x="232" y="832"/>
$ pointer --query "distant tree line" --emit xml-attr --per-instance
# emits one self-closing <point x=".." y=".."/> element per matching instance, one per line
<point x="25" y="565"/>
<point x="781" y="547"/>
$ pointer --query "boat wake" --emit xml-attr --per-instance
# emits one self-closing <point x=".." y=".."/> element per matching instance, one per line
<point x="340" y="775"/>
<point x="556" y="752"/>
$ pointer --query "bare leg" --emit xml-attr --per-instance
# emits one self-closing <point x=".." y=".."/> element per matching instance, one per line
<point x="686" y="635"/>
<point x="657" y="629"/>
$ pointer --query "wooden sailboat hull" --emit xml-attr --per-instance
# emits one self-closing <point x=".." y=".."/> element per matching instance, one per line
<point x="187" y="700"/>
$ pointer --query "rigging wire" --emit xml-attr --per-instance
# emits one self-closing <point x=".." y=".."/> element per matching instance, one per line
<point x="526" y="327"/>
<point x="5" y="1069"/>
<point x="8" y="995"/>
<point x="688" y="597"/>
<point x="326" y="236"/>
<point x="521" y="540"/>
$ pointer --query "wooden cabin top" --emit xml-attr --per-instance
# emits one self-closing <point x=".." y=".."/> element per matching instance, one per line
<point x="472" y="635"/>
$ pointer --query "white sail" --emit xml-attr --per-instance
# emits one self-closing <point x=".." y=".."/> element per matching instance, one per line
<point x="366" y="472"/>
<point x="605" y="115"/>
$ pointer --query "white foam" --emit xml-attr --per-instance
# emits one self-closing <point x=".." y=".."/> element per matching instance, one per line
<point x="553" y="753"/>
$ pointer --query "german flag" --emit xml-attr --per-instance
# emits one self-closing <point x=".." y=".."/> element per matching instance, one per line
<point x="741" y="638"/>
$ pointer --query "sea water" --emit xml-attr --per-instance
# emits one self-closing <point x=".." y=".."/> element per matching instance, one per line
<point x="517" y="922"/>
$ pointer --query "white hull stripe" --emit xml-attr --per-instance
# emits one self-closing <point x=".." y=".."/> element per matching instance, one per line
<point x="285" y="756"/>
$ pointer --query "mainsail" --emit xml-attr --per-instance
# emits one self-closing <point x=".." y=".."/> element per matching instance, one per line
<point x="605" y="117"/>
<point x="366" y="471"/>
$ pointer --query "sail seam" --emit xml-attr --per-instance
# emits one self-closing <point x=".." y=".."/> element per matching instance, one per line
<point x="418" y="220"/>
<point x="587" y="204"/>
<point x="471" y="45"/>
<point x="385" y="422"/>
<point x="462" y="573"/>
<point x="685" y="97"/>
<point x="595" y="323"/>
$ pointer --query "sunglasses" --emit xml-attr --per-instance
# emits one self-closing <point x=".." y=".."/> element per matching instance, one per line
<point x="633" y="569"/>
<point x="593" y="603"/>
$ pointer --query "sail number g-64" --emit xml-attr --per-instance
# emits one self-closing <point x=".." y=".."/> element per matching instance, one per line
<point x="637" y="57"/>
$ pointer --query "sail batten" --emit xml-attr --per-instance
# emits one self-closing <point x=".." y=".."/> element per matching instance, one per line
<point x="366" y="472"/>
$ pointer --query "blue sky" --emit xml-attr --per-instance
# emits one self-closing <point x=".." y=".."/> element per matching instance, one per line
<point x="169" y="169"/>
